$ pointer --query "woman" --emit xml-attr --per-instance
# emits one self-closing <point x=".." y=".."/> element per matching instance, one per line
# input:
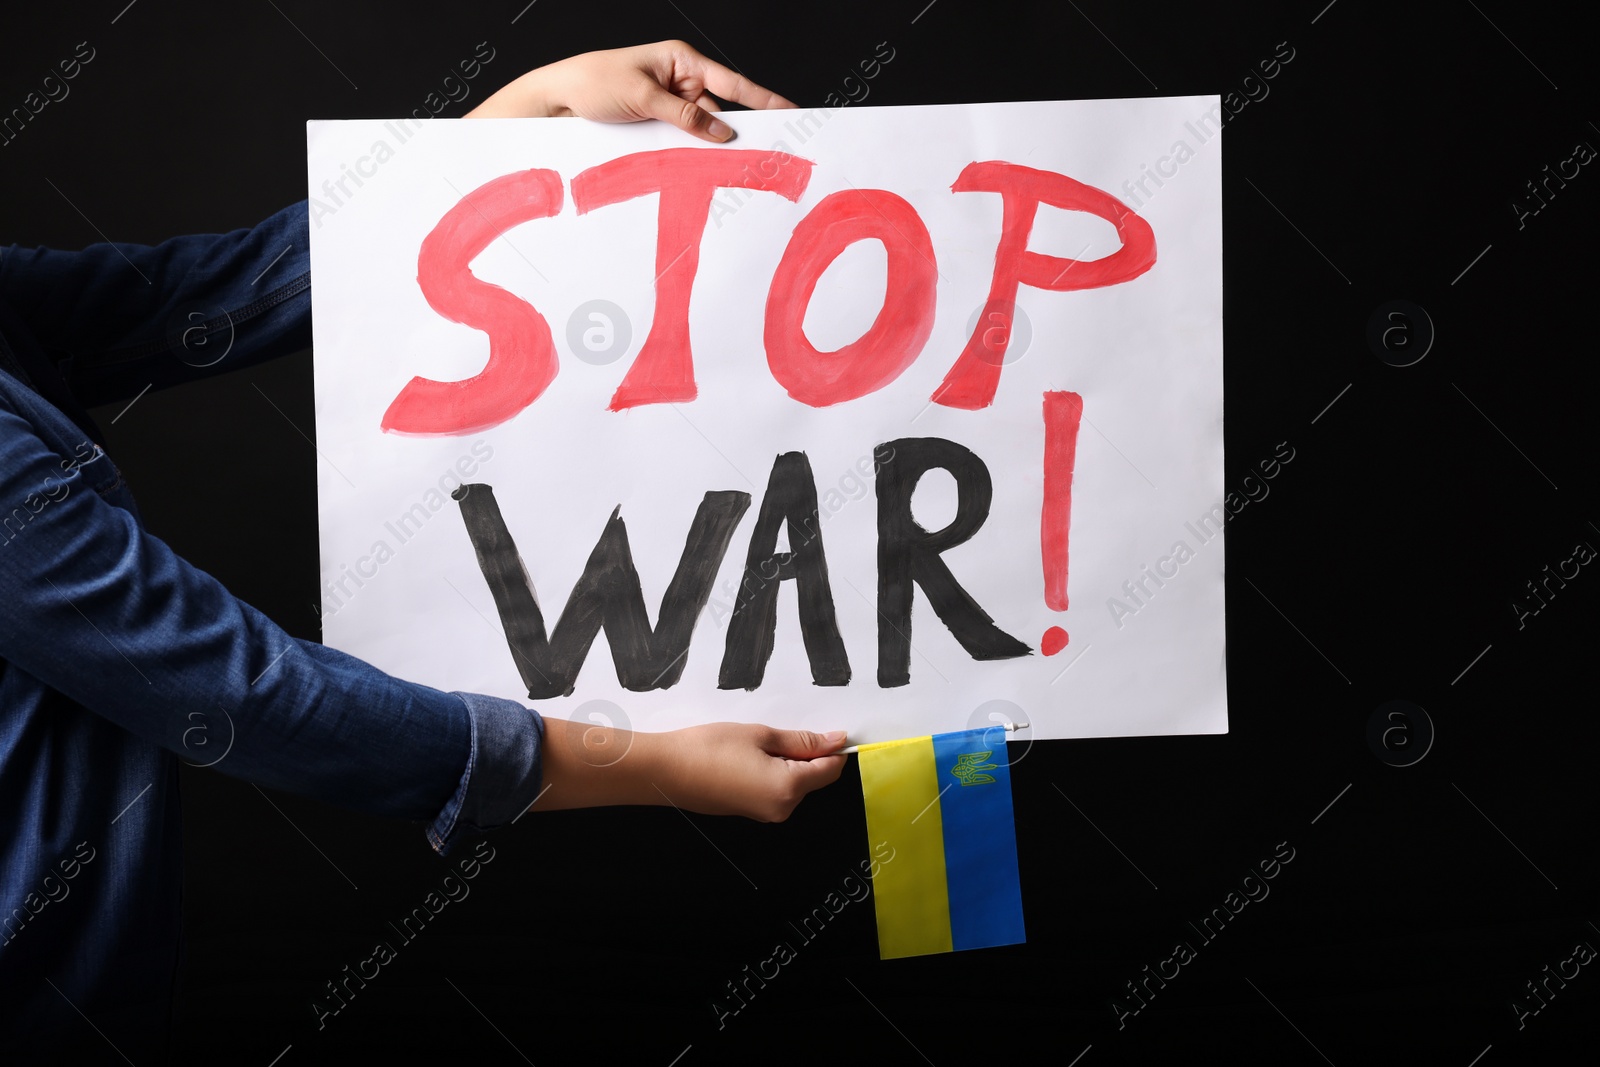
<point x="113" y="649"/>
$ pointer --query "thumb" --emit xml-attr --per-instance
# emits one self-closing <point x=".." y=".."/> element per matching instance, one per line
<point x="805" y="744"/>
<point x="686" y="115"/>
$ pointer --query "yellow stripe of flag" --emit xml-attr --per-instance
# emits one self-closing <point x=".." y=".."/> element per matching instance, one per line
<point x="900" y="785"/>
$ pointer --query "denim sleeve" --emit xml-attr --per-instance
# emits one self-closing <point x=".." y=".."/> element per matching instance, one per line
<point x="107" y="614"/>
<point x="118" y="317"/>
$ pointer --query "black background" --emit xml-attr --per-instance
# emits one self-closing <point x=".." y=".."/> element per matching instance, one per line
<point x="1418" y="505"/>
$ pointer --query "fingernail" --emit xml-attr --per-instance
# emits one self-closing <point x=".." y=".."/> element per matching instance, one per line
<point x="720" y="130"/>
<point x="834" y="738"/>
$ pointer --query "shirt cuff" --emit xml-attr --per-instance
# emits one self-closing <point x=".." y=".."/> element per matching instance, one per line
<point x="503" y="772"/>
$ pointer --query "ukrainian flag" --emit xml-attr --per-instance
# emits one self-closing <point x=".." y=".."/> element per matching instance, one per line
<point x="942" y="803"/>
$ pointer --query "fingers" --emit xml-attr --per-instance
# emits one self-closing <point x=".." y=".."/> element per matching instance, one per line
<point x="804" y="744"/>
<point x="728" y="84"/>
<point x="685" y="114"/>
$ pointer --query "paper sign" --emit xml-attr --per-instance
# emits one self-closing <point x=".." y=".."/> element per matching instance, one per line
<point x="895" y="420"/>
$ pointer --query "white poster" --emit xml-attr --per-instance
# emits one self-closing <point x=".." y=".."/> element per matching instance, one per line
<point x="894" y="420"/>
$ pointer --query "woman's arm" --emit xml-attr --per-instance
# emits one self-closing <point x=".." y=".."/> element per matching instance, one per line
<point x="719" y="769"/>
<point x="102" y="611"/>
<point x="118" y="317"/>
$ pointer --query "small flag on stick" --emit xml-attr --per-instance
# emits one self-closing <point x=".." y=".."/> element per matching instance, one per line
<point x="943" y="803"/>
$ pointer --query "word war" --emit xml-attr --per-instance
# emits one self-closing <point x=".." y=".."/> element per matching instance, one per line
<point x="608" y="593"/>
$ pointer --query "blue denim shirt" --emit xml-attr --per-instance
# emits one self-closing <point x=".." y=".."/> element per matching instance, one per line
<point x="114" y="651"/>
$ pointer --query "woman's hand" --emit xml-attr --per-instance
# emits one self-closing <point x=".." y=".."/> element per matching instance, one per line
<point x="730" y="768"/>
<point x="668" y="81"/>
<point x="722" y="768"/>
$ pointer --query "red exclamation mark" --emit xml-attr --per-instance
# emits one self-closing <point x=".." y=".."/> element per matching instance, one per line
<point x="1062" y="413"/>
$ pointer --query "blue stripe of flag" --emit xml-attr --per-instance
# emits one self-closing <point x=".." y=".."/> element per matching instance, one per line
<point x="980" y="842"/>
